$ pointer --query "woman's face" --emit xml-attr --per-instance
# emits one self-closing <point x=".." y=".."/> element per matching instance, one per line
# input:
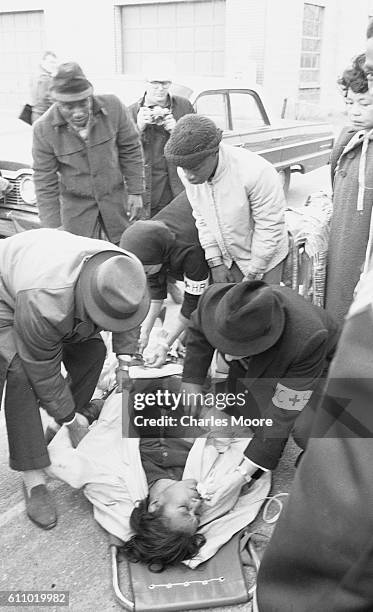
<point x="360" y="109"/>
<point x="181" y="505"/>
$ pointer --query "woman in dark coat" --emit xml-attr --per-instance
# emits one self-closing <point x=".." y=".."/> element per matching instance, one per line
<point x="352" y="173"/>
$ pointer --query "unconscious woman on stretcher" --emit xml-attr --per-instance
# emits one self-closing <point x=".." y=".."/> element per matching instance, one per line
<point x="169" y="498"/>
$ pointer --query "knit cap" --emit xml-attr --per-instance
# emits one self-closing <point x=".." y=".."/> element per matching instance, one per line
<point x="150" y="241"/>
<point x="193" y="138"/>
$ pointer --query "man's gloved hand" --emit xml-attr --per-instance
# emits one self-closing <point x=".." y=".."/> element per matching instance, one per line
<point x="78" y="428"/>
<point x="221" y="274"/>
<point x="192" y="397"/>
<point x="144" y="117"/>
<point x="169" y="122"/>
<point x="135" y="207"/>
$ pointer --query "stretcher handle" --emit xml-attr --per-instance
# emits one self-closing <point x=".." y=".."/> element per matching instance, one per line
<point x="122" y="600"/>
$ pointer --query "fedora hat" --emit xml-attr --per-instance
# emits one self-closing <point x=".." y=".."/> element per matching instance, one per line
<point x="242" y="319"/>
<point x="114" y="290"/>
<point x="70" y="84"/>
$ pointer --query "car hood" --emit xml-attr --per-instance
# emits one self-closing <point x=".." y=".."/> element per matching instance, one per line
<point x="15" y="143"/>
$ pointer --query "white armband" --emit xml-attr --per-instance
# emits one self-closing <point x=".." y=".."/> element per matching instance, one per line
<point x="195" y="287"/>
<point x="290" y="399"/>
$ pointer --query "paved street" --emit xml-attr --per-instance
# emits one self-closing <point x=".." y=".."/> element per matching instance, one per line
<point x="74" y="555"/>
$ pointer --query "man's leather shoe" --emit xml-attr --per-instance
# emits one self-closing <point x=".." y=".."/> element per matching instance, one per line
<point x="39" y="507"/>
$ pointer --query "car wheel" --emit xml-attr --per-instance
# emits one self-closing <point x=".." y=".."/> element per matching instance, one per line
<point x="284" y="175"/>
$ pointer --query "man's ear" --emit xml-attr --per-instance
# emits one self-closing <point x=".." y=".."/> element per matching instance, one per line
<point x="154" y="505"/>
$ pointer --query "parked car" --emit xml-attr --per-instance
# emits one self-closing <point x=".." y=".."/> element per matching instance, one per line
<point x="237" y="107"/>
<point x="18" y="209"/>
<point x="241" y="111"/>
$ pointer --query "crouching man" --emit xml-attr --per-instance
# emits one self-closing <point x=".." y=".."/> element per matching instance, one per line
<point x="57" y="291"/>
<point x="278" y="347"/>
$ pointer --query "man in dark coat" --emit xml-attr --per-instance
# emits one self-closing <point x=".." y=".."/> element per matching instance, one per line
<point x="320" y="556"/>
<point x="278" y="346"/>
<point x="87" y="153"/>
<point x="155" y="115"/>
<point x="168" y="243"/>
<point x="57" y="291"/>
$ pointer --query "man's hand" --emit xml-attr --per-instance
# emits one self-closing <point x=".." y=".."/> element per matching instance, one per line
<point x="144" y="117"/>
<point x="221" y="274"/>
<point x="192" y="398"/>
<point x="226" y="491"/>
<point x="157" y="357"/>
<point x="5" y="186"/>
<point x="135" y="207"/>
<point x="123" y="380"/>
<point x="78" y="428"/>
<point x="143" y="341"/>
<point x="169" y="122"/>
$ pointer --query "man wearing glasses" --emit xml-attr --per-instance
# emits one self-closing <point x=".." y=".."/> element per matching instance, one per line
<point x="156" y="114"/>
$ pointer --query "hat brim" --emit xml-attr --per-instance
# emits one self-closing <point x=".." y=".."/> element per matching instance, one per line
<point x="242" y="348"/>
<point x="72" y="97"/>
<point x="97" y="315"/>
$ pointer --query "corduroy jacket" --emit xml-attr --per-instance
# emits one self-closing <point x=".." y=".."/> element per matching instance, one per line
<point x="76" y="180"/>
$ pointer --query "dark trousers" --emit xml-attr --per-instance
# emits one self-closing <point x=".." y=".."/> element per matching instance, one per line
<point x="27" y="449"/>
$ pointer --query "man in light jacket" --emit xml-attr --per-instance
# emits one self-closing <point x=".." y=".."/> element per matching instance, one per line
<point x="57" y="292"/>
<point x="87" y="155"/>
<point x="237" y="201"/>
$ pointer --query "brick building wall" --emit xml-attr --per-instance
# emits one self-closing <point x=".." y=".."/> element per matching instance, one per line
<point x="261" y="37"/>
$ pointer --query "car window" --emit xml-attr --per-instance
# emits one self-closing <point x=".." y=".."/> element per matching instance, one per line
<point x="245" y="110"/>
<point x="213" y="106"/>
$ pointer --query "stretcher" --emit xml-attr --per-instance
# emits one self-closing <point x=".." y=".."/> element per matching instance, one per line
<point x="221" y="581"/>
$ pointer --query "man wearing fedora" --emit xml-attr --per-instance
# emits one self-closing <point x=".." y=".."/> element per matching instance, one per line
<point x="87" y="158"/>
<point x="57" y="291"/>
<point x="278" y="347"/>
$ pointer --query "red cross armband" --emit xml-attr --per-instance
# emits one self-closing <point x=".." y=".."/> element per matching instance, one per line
<point x="290" y="399"/>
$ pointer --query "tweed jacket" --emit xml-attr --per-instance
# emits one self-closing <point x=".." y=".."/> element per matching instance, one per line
<point x="38" y="272"/>
<point x="291" y="368"/>
<point x="77" y="180"/>
<point x="154" y="139"/>
<point x="240" y="212"/>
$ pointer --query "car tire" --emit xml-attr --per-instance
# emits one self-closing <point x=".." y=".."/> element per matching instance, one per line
<point x="284" y="175"/>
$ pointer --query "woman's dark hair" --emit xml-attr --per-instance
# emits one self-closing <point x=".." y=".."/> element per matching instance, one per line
<point x="154" y="543"/>
<point x="354" y="77"/>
